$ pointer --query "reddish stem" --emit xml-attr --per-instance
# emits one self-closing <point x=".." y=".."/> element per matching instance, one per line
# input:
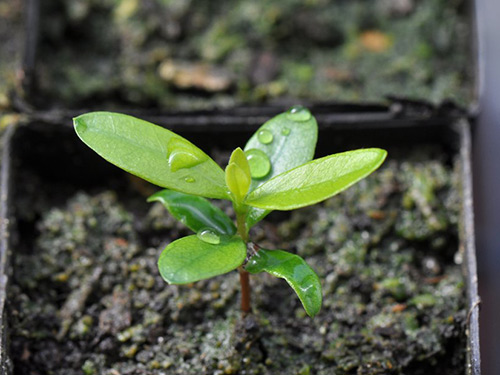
<point x="245" y="291"/>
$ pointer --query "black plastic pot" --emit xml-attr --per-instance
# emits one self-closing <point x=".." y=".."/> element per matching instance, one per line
<point x="48" y="147"/>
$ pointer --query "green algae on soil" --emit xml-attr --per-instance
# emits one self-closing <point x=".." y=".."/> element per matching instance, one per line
<point x="188" y="55"/>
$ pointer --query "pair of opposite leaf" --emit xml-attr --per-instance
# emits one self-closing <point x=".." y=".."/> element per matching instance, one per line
<point x="274" y="172"/>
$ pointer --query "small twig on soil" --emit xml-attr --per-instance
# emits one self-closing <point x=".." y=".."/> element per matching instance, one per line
<point x="76" y="301"/>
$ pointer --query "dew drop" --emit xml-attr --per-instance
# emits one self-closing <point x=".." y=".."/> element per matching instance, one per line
<point x="208" y="236"/>
<point x="285" y="131"/>
<point x="259" y="163"/>
<point x="189" y="180"/>
<point x="265" y="136"/>
<point x="298" y="113"/>
<point x="182" y="154"/>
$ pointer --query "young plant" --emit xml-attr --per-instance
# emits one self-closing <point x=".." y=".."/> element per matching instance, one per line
<point x="275" y="171"/>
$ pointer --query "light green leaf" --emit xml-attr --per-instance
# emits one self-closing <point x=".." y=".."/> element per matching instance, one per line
<point x="238" y="157"/>
<point x="196" y="213"/>
<point x="152" y="153"/>
<point x="190" y="259"/>
<point x="317" y="180"/>
<point x="282" y="143"/>
<point x="238" y="175"/>
<point x="295" y="271"/>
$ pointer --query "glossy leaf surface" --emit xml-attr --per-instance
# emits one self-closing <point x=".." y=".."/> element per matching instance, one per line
<point x="289" y="141"/>
<point x="316" y="180"/>
<point x="297" y="273"/>
<point x="190" y="259"/>
<point x="196" y="213"/>
<point x="152" y="153"/>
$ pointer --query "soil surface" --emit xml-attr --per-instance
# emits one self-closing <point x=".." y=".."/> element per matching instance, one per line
<point x="187" y="54"/>
<point x="11" y="53"/>
<point x="87" y="298"/>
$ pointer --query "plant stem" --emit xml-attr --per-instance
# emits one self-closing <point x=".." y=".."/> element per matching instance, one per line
<point x="241" y="225"/>
<point x="245" y="290"/>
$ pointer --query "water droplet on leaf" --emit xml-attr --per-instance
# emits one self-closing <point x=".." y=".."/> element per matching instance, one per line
<point x="208" y="236"/>
<point x="298" y="113"/>
<point x="259" y="163"/>
<point x="265" y="136"/>
<point x="182" y="154"/>
<point x="285" y="131"/>
<point x="189" y="179"/>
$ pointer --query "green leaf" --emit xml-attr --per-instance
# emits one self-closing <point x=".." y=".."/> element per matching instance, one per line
<point x="238" y="157"/>
<point x="288" y="140"/>
<point x="295" y="271"/>
<point x="282" y="143"/>
<point x="317" y="180"/>
<point x="196" y="213"/>
<point x="238" y="175"/>
<point x="190" y="259"/>
<point x="152" y="153"/>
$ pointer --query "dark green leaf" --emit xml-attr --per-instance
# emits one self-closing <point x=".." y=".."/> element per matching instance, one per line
<point x="295" y="271"/>
<point x="196" y="213"/>
<point x="190" y="259"/>
<point x="317" y="180"/>
<point x="152" y="153"/>
<point x="282" y="143"/>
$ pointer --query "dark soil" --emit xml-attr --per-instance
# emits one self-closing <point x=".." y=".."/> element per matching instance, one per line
<point x="11" y="49"/>
<point x="187" y="54"/>
<point x="87" y="298"/>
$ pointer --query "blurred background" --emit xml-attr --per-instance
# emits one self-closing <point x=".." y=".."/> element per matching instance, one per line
<point x="175" y="55"/>
<point x="184" y="55"/>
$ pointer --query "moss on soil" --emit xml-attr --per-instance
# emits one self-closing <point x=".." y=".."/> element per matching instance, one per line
<point x="186" y="54"/>
<point x="87" y="297"/>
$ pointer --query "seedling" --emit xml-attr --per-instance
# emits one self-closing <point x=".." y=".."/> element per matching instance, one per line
<point x="275" y="171"/>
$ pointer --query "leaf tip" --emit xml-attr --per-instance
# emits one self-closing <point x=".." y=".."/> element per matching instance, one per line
<point x="157" y="197"/>
<point x="383" y="153"/>
<point x="79" y="124"/>
<point x="382" y="156"/>
<point x="312" y="312"/>
<point x="153" y="198"/>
